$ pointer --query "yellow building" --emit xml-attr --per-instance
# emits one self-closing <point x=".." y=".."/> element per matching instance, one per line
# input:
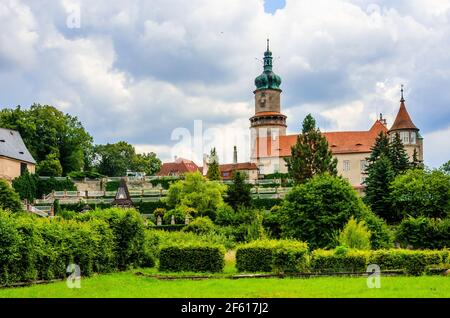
<point x="270" y="145"/>
<point x="14" y="155"/>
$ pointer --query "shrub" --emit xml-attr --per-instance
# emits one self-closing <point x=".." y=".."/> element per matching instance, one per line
<point x="9" y="199"/>
<point x="316" y="210"/>
<point x="200" y="225"/>
<point x="413" y="262"/>
<point x="355" y="235"/>
<point x="421" y="193"/>
<point x="192" y="258"/>
<point x="424" y="233"/>
<point x="128" y="229"/>
<point x="270" y="255"/>
<point x="339" y="260"/>
<point x="271" y="222"/>
<point x="26" y="186"/>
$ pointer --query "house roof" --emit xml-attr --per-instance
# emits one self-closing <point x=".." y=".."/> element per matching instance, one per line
<point x="403" y="120"/>
<point x="339" y="142"/>
<point x="238" y="166"/>
<point x="180" y="166"/>
<point x="12" y="146"/>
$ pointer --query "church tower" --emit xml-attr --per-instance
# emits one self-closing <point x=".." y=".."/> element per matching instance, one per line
<point x="268" y="123"/>
<point x="409" y="133"/>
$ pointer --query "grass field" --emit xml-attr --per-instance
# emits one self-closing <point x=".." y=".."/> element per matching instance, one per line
<point x="127" y="284"/>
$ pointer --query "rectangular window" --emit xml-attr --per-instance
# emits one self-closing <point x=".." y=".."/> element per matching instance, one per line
<point x="404" y="136"/>
<point x="413" y="137"/>
<point x="346" y="165"/>
<point x="363" y="165"/>
<point x="23" y="168"/>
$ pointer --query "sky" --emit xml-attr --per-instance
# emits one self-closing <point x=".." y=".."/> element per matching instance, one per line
<point x="177" y="77"/>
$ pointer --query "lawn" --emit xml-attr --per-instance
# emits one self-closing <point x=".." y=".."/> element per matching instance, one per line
<point x="127" y="284"/>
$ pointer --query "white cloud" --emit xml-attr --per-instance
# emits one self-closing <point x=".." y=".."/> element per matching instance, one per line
<point x="436" y="148"/>
<point x="136" y="70"/>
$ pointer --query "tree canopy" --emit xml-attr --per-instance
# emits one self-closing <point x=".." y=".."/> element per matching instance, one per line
<point x="115" y="159"/>
<point x="310" y="155"/>
<point x="317" y="210"/>
<point x="238" y="193"/>
<point x="46" y="131"/>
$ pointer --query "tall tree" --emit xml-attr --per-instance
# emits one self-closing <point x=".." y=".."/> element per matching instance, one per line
<point x="50" y="166"/>
<point x="397" y="154"/>
<point x="238" y="193"/>
<point x="213" y="173"/>
<point x="146" y="162"/>
<point x="46" y="130"/>
<point x="415" y="162"/>
<point x="381" y="146"/>
<point x="311" y="154"/>
<point x="446" y="167"/>
<point x="379" y="176"/>
<point x="114" y="160"/>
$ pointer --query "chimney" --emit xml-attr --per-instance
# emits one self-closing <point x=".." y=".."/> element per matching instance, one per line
<point x="235" y="155"/>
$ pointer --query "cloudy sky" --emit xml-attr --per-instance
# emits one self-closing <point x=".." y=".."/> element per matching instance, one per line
<point x="149" y="72"/>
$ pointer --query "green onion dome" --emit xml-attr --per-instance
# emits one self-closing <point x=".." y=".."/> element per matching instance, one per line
<point x="268" y="79"/>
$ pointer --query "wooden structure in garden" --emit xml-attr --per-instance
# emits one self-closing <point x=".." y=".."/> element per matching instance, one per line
<point x="123" y="198"/>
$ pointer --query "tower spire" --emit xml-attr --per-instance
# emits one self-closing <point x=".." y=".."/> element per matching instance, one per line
<point x="402" y="100"/>
<point x="268" y="45"/>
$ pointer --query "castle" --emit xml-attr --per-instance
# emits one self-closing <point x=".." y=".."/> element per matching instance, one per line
<point x="270" y="145"/>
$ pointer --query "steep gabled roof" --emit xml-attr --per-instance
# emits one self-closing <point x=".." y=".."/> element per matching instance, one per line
<point x="403" y="120"/>
<point x="340" y="142"/>
<point x="12" y="146"/>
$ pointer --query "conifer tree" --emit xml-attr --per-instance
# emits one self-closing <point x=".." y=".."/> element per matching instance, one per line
<point x="311" y="154"/>
<point x="398" y="156"/>
<point x="379" y="176"/>
<point x="213" y="173"/>
<point x="238" y="193"/>
<point x="381" y="146"/>
<point x="416" y="163"/>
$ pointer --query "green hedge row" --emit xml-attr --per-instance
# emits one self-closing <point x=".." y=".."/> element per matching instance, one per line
<point x="291" y="256"/>
<point x="192" y="258"/>
<point x="412" y="262"/>
<point x="266" y="256"/>
<point x="326" y="261"/>
<point x="424" y="233"/>
<point x="34" y="248"/>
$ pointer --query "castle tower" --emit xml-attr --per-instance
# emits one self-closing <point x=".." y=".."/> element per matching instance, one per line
<point x="268" y="120"/>
<point x="409" y="133"/>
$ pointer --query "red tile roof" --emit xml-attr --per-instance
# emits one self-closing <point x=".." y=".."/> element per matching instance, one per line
<point x="339" y="142"/>
<point x="403" y="120"/>
<point x="227" y="169"/>
<point x="178" y="167"/>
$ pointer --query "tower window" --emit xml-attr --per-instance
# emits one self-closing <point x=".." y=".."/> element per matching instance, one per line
<point x="404" y="136"/>
<point x="413" y="137"/>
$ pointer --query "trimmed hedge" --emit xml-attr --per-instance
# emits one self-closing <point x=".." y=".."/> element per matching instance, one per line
<point x="192" y="258"/>
<point x="270" y="255"/>
<point x="412" y="262"/>
<point x="332" y="261"/>
<point x="34" y="248"/>
<point x="168" y="227"/>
